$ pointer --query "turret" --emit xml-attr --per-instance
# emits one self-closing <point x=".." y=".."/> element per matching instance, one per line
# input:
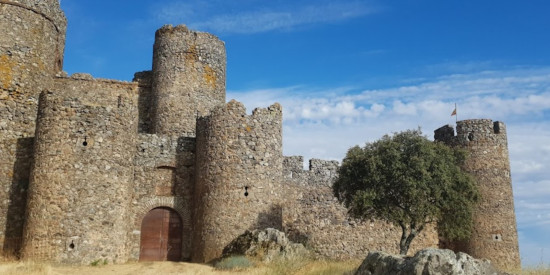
<point x="495" y="235"/>
<point x="188" y="78"/>
<point x="238" y="185"/>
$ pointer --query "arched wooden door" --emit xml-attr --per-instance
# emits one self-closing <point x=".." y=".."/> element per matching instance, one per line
<point x="161" y="232"/>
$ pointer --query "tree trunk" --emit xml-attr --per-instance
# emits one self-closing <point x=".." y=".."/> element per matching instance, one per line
<point x="407" y="238"/>
<point x="403" y="247"/>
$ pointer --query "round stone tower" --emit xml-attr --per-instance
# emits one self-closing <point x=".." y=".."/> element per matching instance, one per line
<point x="495" y="235"/>
<point x="188" y="78"/>
<point x="31" y="53"/>
<point x="32" y="38"/>
<point x="80" y="185"/>
<point x="238" y="186"/>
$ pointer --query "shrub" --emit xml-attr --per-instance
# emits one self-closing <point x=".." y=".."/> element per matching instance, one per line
<point x="234" y="263"/>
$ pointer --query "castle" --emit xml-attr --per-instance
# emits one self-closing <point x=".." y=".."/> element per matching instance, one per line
<point x="162" y="168"/>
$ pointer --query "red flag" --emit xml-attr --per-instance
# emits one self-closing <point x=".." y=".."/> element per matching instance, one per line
<point x="454" y="112"/>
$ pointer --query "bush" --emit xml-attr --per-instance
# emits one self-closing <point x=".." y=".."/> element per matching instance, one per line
<point x="234" y="263"/>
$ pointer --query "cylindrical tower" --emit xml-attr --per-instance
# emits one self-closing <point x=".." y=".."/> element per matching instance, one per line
<point x="32" y="38"/>
<point x="238" y="179"/>
<point x="495" y="235"/>
<point x="31" y="53"/>
<point x="81" y="180"/>
<point x="188" y="78"/>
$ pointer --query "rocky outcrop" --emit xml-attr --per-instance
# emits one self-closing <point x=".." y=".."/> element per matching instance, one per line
<point x="265" y="245"/>
<point x="427" y="261"/>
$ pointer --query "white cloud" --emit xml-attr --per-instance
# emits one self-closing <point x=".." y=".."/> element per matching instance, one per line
<point x="326" y="123"/>
<point x="236" y="17"/>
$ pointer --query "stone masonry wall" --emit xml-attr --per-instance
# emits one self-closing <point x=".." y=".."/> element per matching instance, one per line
<point x="313" y="216"/>
<point x="83" y="170"/>
<point x="31" y="50"/>
<point x="495" y="233"/>
<point x="188" y="78"/>
<point x="238" y="183"/>
<point x="164" y="177"/>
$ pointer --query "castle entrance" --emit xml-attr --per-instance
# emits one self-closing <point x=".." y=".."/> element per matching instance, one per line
<point x="161" y="234"/>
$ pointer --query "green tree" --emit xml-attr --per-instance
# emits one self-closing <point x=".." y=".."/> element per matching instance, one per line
<point x="409" y="181"/>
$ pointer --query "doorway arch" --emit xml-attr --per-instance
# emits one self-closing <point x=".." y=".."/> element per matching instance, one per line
<point x="161" y="235"/>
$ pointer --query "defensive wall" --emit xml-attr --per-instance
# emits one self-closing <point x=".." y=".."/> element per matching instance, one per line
<point x="313" y="216"/>
<point x="83" y="161"/>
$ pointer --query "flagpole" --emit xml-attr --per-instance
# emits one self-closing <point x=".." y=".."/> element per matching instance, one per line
<point x="456" y="116"/>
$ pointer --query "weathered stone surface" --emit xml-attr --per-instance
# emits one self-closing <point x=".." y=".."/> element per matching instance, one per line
<point x="495" y="235"/>
<point x="314" y="217"/>
<point x="265" y="245"/>
<point x="188" y="78"/>
<point x="238" y="185"/>
<point x="425" y="262"/>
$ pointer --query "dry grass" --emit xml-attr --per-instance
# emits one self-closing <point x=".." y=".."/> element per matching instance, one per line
<point x="24" y="268"/>
<point x="280" y="266"/>
<point x="539" y="270"/>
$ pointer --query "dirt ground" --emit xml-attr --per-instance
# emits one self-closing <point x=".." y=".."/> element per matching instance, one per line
<point x="147" y="268"/>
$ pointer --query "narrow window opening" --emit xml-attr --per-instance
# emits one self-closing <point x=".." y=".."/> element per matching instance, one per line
<point x="85" y="143"/>
<point x="71" y="246"/>
<point x="119" y="101"/>
<point x="471" y="136"/>
<point x="246" y="191"/>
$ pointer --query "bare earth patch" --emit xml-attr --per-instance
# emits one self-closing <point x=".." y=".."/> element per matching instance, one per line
<point x="146" y="268"/>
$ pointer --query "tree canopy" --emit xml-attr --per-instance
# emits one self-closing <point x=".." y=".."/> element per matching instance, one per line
<point x="409" y="181"/>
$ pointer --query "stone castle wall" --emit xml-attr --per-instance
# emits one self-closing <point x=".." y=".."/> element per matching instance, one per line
<point x="238" y="184"/>
<point x="313" y="216"/>
<point x="188" y="78"/>
<point x="164" y="176"/>
<point x="83" y="172"/>
<point x="31" y="51"/>
<point x="495" y="234"/>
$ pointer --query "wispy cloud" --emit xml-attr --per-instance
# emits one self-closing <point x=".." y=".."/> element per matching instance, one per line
<point x="238" y="16"/>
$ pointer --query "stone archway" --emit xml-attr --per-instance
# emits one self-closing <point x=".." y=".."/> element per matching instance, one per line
<point x="161" y="235"/>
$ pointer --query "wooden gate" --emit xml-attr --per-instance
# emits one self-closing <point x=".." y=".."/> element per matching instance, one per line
<point x="161" y="232"/>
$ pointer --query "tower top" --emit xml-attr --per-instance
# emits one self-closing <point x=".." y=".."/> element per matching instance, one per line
<point x="49" y="9"/>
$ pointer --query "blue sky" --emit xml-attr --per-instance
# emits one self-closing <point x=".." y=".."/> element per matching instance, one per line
<point x="348" y="72"/>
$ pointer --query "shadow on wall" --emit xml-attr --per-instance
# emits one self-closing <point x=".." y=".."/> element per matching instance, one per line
<point x="184" y="188"/>
<point x="18" y="197"/>
<point x="272" y="218"/>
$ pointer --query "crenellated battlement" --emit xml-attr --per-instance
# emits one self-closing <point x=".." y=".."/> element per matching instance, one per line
<point x="320" y="172"/>
<point x="473" y="131"/>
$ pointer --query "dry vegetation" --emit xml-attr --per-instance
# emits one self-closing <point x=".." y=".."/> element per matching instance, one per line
<point x="296" y="266"/>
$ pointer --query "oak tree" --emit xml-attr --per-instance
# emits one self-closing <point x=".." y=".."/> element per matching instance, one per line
<point x="409" y="181"/>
